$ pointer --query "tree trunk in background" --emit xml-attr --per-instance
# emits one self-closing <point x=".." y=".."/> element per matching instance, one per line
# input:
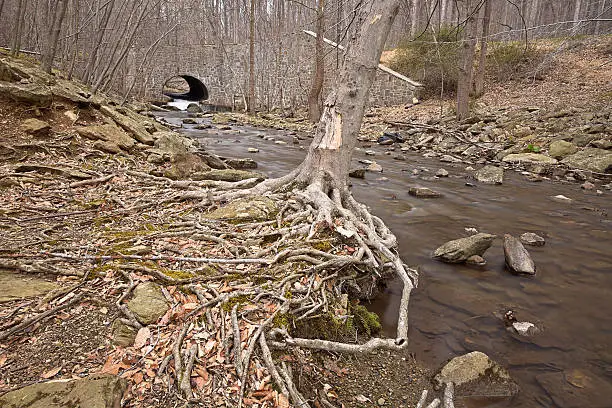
<point x="251" y="98"/>
<point x="1" y="7"/>
<point x="314" y="98"/>
<point x="56" y="27"/>
<point x="482" y="62"/>
<point x="17" y="31"/>
<point x="466" y="63"/>
<point x="577" y="7"/>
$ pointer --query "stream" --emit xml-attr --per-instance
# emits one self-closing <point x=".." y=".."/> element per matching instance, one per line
<point x="457" y="308"/>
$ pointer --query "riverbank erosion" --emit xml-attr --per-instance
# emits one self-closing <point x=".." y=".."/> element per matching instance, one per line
<point x="116" y="260"/>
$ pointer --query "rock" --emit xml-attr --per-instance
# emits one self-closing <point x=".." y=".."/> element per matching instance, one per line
<point x="490" y="175"/>
<point x="370" y="153"/>
<point x="96" y="391"/>
<point x="357" y="173"/>
<point x="602" y="144"/>
<point x="108" y="132"/>
<point x="202" y="126"/>
<point x="524" y="328"/>
<point x="528" y="158"/>
<point x="241" y="164"/>
<point x="34" y="94"/>
<point x="189" y="121"/>
<point x="562" y="199"/>
<point x="374" y="167"/>
<point x="589" y="158"/>
<point x="148" y="303"/>
<point x="123" y="335"/>
<point x="442" y="173"/>
<point x="460" y="250"/>
<point x="587" y="186"/>
<point x="381" y="401"/>
<point x="450" y="159"/>
<point x="571" y="388"/>
<point x="244" y="210"/>
<point x="186" y="165"/>
<point x="530" y="238"/>
<point x="476" y="260"/>
<point x="194" y="108"/>
<point x="252" y="150"/>
<point x="173" y="144"/>
<point x="560" y="148"/>
<point x="15" y="286"/>
<point x="518" y="259"/>
<point x="108" y="147"/>
<point x="36" y="127"/>
<point x="476" y="374"/>
<point x="423" y="192"/>
<point x="133" y="127"/>
<point x="228" y="175"/>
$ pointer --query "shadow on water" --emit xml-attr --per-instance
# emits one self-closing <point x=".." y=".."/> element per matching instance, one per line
<point x="457" y="308"/>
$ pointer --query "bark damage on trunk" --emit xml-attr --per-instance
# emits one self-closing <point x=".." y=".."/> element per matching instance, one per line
<point x="320" y="183"/>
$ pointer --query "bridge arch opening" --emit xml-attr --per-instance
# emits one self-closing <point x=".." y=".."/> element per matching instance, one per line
<point x="185" y="87"/>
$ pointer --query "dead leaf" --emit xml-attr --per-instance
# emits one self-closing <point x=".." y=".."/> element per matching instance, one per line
<point x="141" y="337"/>
<point x="282" y="401"/>
<point x="3" y="358"/>
<point x="51" y="373"/>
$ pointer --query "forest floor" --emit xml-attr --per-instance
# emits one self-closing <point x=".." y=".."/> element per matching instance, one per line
<point x="82" y="229"/>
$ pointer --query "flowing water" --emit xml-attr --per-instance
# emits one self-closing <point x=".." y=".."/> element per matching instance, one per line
<point x="457" y="308"/>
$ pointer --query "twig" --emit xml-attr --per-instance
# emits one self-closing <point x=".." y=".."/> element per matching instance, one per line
<point x="27" y="323"/>
<point x="237" y="351"/>
<point x="91" y="182"/>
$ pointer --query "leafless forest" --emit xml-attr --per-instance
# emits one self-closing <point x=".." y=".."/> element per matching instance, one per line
<point x="113" y="45"/>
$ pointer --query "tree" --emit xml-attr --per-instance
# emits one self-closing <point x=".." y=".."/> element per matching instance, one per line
<point x="59" y="11"/>
<point x="480" y="74"/>
<point x="466" y="60"/>
<point x="321" y="180"/>
<point x="314" y="104"/>
<point x="251" y="98"/>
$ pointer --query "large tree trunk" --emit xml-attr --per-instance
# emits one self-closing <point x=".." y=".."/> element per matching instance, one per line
<point x="482" y="62"/>
<point x="314" y="98"/>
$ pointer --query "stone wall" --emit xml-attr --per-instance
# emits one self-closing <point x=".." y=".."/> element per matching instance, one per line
<point x="283" y="73"/>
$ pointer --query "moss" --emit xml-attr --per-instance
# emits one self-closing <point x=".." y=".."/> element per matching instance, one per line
<point x="175" y="274"/>
<point x="283" y="321"/>
<point x="324" y="246"/>
<point x="100" y="221"/>
<point x="237" y="300"/>
<point x="366" y="321"/>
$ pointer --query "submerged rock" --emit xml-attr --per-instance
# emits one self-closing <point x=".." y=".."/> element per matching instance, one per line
<point x="518" y="259"/>
<point x="490" y="175"/>
<point x="460" y="250"/>
<point x="571" y="388"/>
<point x="530" y="238"/>
<point x="476" y="374"/>
<point x="96" y="391"/>
<point x="148" y="303"/>
<point x="357" y="173"/>
<point x="423" y="192"/>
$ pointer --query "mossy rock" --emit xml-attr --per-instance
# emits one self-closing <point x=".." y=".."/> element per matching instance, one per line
<point x="247" y="209"/>
<point x="148" y="303"/>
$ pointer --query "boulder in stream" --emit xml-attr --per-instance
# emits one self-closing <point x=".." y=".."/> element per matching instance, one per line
<point x="423" y="192"/>
<point x="194" y="108"/>
<point x="459" y="250"/>
<point x="518" y="259"/>
<point x="533" y="239"/>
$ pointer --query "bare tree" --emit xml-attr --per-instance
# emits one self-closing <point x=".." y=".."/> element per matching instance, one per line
<point x="480" y="74"/>
<point x="251" y="98"/>
<point x="314" y="98"/>
<point x="48" y="56"/>
<point x="466" y="60"/>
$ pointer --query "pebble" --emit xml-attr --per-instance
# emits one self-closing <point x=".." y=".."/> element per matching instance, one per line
<point x="524" y="328"/>
<point x="381" y="401"/>
<point x="442" y="173"/>
<point x="562" y="198"/>
<point x="366" y="162"/>
<point x="280" y="142"/>
<point x="253" y="150"/>
<point x="370" y="152"/>
<point x="375" y="167"/>
<point x="416" y="171"/>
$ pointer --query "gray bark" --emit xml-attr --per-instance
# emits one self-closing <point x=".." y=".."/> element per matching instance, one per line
<point x="480" y="74"/>
<point x="314" y="98"/>
<point x="466" y="63"/>
<point x="56" y="27"/>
